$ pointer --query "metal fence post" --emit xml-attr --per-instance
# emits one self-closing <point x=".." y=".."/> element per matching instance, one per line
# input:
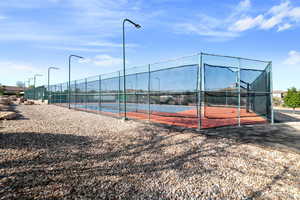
<point x="85" y="99"/>
<point x="199" y="91"/>
<point x="136" y="93"/>
<point x="49" y="101"/>
<point x="149" y="88"/>
<point x="99" y="93"/>
<point x="119" y="96"/>
<point x="271" y="92"/>
<point x="75" y="94"/>
<point x="55" y="94"/>
<point x="239" y="92"/>
<point x="60" y="94"/>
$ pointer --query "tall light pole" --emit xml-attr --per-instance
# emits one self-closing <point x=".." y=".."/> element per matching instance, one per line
<point x="69" y="84"/>
<point x="124" y="66"/>
<point x="158" y="88"/>
<point x="24" y="86"/>
<point x="48" y="88"/>
<point x="158" y="83"/>
<point x="34" y="78"/>
<point x="49" y="68"/>
<point x="29" y="82"/>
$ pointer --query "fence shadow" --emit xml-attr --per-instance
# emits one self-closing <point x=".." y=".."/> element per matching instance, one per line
<point x="280" y="136"/>
<point x="280" y="117"/>
<point x="36" y="141"/>
<point x="70" y="160"/>
<point x="106" y="168"/>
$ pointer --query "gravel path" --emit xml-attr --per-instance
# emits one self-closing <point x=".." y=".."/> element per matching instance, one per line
<point x="56" y="153"/>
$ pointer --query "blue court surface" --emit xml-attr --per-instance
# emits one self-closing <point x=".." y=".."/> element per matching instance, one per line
<point x="132" y="107"/>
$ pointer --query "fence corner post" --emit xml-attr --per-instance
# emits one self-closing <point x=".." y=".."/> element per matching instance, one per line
<point x="271" y="92"/>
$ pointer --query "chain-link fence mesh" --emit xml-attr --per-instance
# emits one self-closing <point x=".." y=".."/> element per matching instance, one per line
<point x="38" y="93"/>
<point x="199" y="91"/>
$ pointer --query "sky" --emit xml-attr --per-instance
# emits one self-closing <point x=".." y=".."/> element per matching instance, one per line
<point x="37" y="34"/>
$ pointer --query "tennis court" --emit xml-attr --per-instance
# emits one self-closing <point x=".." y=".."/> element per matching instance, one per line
<point x="176" y="115"/>
<point x="198" y="91"/>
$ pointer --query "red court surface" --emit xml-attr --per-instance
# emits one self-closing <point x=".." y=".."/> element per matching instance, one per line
<point x="212" y="117"/>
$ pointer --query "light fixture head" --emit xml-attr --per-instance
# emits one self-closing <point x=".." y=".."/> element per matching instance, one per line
<point x="137" y="26"/>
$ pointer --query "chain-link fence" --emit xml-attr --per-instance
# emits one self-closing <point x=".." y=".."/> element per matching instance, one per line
<point x="199" y="91"/>
<point x="38" y="93"/>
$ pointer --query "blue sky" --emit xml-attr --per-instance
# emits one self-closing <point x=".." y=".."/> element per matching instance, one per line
<point x="36" y="34"/>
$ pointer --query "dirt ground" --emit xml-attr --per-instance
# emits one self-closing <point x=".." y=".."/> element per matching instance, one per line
<point x="55" y="153"/>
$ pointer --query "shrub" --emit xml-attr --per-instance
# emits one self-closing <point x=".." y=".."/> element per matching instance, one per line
<point x="292" y="98"/>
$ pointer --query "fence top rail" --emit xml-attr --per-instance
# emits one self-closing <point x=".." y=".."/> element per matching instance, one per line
<point x="236" y="57"/>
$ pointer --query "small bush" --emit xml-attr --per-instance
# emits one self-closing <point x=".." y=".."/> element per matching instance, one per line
<point x="292" y="98"/>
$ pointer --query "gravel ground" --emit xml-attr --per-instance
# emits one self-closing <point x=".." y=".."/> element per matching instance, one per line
<point x="56" y="153"/>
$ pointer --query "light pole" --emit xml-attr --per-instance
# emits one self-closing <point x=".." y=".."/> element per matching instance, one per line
<point x="29" y="82"/>
<point x="48" y="88"/>
<point x="69" y="84"/>
<point x="124" y="66"/>
<point x="158" y="88"/>
<point x="24" y="86"/>
<point x="158" y="83"/>
<point x="34" y="78"/>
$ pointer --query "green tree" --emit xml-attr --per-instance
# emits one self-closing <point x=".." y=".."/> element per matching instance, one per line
<point x="292" y="98"/>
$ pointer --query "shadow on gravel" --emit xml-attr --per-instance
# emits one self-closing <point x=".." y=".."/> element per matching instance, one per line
<point x="36" y="141"/>
<point x="280" y="136"/>
<point x="275" y="179"/>
<point x="60" y="166"/>
<point x="19" y="114"/>
<point x="281" y="117"/>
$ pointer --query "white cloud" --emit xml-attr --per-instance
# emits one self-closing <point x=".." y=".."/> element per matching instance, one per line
<point x="203" y="30"/>
<point x="109" y="44"/>
<point x="213" y="27"/>
<point x="31" y="37"/>
<point x="246" y="23"/>
<point x="295" y="14"/>
<point x="107" y="61"/>
<point x="293" y="59"/>
<point x="246" y="4"/>
<point x="282" y="17"/>
<point x="284" y="27"/>
<point x="25" y="4"/>
<point x="103" y="60"/>
<point x="81" y="49"/>
<point x="17" y="66"/>
<point x="76" y="20"/>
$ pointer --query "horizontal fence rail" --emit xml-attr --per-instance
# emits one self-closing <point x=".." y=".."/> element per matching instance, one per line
<point x="198" y="91"/>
